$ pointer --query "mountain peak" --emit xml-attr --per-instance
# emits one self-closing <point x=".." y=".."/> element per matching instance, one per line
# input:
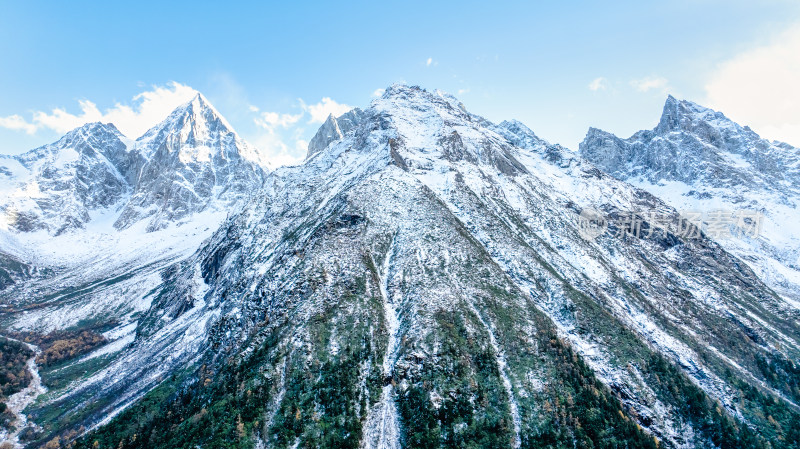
<point x="199" y="103"/>
<point x="683" y="114"/>
<point x="333" y="129"/>
<point x="193" y="120"/>
<point x="400" y="90"/>
<point x="691" y="144"/>
<point x="90" y="129"/>
<point x="199" y="108"/>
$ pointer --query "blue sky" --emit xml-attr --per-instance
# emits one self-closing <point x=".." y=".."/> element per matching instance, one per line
<point x="559" y="67"/>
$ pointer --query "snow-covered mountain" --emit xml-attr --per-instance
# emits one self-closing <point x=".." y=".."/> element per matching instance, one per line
<point x="194" y="159"/>
<point x="60" y="186"/>
<point x="699" y="160"/>
<point x="423" y="280"/>
<point x="102" y="215"/>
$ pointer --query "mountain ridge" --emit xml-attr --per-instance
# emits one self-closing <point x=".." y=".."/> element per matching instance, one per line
<point x="423" y="280"/>
<point x="431" y="273"/>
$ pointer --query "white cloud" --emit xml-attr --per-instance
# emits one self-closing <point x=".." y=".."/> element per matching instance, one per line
<point x="319" y="112"/>
<point x="273" y="119"/>
<point x="429" y="62"/>
<point x="146" y="109"/>
<point x="761" y="87"/>
<point x="598" y="84"/>
<point x="253" y="108"/>
<point x="62" y="121"/>
<point x="17" y="123"/>
<point x="649" y="83"/>
<point x="282" y="136"/>
<point x="463" y="91"/>
<point x="273" y="143"/>
<point x="378" y="92"/>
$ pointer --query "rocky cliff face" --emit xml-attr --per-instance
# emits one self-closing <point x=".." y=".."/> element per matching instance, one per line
<point x="422" y="281"/>
<point x="334" y="129"/>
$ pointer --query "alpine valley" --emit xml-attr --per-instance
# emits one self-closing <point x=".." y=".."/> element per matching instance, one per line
<point x="423" y="279"/>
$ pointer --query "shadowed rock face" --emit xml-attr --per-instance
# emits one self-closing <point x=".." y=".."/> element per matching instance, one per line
<point x="334" y="129"/>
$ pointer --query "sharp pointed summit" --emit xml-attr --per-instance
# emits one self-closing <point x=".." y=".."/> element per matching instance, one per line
<point x="333" y="129"/>
<point x="194" y="159"/>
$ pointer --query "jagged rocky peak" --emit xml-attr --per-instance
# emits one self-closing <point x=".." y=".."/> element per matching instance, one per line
<point x="395" y="106"/>
<point x="698" y="159"/>
<point x="97" y="134"/>
<point x="195" y="122"/>
<point x="692" y="143"/>
<point x="88" y="139"/>
<point x="518" y="133"/>
<point x="194" y="160"/>
<point x="683" y="115"/>
<point x="334" y="129"/>
<point x="56" y="186"/>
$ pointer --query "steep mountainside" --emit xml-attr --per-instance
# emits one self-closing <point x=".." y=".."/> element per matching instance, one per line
<point x="697" y="159"/>
<point x="423" y="281"/>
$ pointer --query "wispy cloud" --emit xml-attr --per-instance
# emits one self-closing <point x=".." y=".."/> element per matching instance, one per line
<point x="761" y="87"/>
<point x="319" y="112"/>
<point x="17" y="123"/>
<point x="378" y="92"/>
<point x="598" y="83"/>
<point x="133" y="119"/>
<point x="429" y="62"/>
<point x="273" y="119"/>
<point x="650" y="83"/>
<point x="281" y="135"/>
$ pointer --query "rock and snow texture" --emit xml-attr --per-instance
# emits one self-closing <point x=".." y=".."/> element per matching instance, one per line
<point x="382" y="427"/>
<point x="697" y="159"/>
<point x="424" y="224"/>
<point x="194" y="160"/>
<point x="334" y="129"/>
<point x="101" y="215"/>
<point x="435" y="257"/>
<point x="60" y="186"/>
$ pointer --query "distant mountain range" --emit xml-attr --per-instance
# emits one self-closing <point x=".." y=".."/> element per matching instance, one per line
<point x="423" y="279"/>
